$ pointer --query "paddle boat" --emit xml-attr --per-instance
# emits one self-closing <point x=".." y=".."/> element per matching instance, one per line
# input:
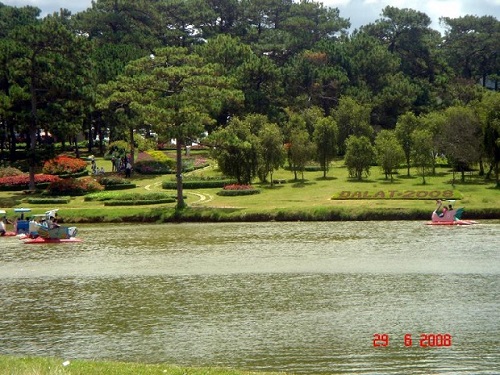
<point x="21" y="223"/>
<point x="448" y="215"/>
<point x="45" y="229"/>
<point x="3" y="225"/>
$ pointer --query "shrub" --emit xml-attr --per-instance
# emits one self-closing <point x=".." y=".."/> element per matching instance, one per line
<point x="237" y="189"/>
<point x="21" y="182"/>
<point x="118" y="148"/>
<point x="10" y="171"/>
<point x="154" y="162"/>
<point x="63" y="164"/>
<point x="73" y="186"/>
<point x="112" y="180"/>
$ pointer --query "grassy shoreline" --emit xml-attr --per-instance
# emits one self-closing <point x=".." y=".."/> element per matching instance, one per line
<point x="56" y="366"/>
<point x="334" y="198"/>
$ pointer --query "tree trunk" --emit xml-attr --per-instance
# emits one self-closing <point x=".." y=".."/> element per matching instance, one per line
<point x="77" y="150"/>
<point x="132" y="146"/>
<point x="180" y="198"/>
<point x="32" y="135"/>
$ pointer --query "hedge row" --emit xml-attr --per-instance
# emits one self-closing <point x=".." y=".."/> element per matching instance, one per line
<point x="117" y="202"/>
<point x="49" y="201"/>
<point x="120" y="186"/>
<point x="200" y="184"/>
<point x="232" y="193"/>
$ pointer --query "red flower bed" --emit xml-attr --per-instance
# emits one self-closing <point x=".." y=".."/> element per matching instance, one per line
<point x="24" y="180"/>
<point x="238" y="187"/>
<point x="63" y="164"/>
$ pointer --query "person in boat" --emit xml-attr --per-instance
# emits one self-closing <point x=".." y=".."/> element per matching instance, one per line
<point x="3" y="229"/>
<point x="3" y="225"/>
<point x="54" y="222"/>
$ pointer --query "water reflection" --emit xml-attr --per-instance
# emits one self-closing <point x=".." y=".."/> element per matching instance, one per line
<point x="298" y="297"/>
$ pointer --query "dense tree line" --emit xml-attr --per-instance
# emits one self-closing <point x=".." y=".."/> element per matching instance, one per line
<point x="256" y="74"/>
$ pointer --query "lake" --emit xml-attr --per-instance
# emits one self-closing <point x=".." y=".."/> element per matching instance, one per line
<point x="301" y="297"/>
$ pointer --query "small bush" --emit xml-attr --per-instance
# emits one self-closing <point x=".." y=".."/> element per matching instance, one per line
<point x="10" y="171"/>
<point x="153" y="167"/>
<point x="64" y="165"/>
<point x="73" y="186"/>
<point x="112" y="180"/>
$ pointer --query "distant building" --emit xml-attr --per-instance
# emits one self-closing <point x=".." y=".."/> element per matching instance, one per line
<point x="489" y="84"/>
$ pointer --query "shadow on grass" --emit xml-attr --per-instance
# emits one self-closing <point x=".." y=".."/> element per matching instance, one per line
<point x="327" y="178"/>
<point x="272" y="187"/>
<point x="387" y="181"/>
<point x="362" y="181"/>
<point x="302" y="183"/>
<point x="406" y="177"/>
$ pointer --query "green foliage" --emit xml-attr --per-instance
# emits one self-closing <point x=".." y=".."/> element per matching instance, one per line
<point x="300" y="151"/>
<point x="118" y="148"/>
<point x="422" y="155"/>
<point x="115" y="183"/>
<point x="49" y="201"/>
<point x="74" y="186"/>
<point x="461" y="138"/>
<point x="359" y="157"/>
<point x="325" y="136"/>
<point x="130" y="199"/>
<point x="389" y="152"/>
<point x="236" y="150"/>
<point x="114" y="195"/>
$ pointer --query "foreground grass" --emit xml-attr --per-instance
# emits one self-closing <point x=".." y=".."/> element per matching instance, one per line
<point x="301" y="199"/>
<point x="54" y="366"/>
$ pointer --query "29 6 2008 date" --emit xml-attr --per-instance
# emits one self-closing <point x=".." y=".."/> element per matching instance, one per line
<point x="425" y="340"/>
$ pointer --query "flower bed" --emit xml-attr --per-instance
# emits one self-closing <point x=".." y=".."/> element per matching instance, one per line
<point x="21" y="182"/>
<point x="238" y="189"/>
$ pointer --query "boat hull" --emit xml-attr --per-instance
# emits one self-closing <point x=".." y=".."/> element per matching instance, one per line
<point x="454" y="222"/>
<point x="41" y="240"/>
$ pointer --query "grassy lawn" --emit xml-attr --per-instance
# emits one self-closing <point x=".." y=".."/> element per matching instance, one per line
<point x="54" y="366"/>
<point x="296" y="199"/>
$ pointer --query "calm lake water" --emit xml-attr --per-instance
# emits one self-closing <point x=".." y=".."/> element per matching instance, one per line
<point x="296" y="297"/>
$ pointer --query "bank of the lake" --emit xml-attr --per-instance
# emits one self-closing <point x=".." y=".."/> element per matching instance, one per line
<point x="311" y="198"/>
<point x="58" y="366"/>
